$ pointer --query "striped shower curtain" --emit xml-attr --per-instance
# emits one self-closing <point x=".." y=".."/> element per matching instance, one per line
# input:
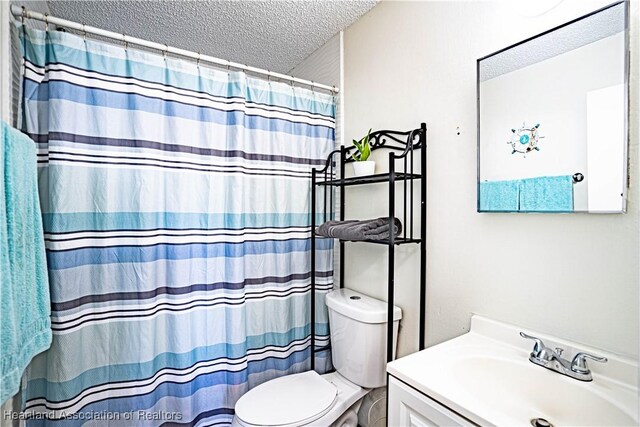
<point x="176" y="204"/>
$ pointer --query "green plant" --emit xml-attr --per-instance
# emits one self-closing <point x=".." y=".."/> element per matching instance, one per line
<point x="363" y="149"/>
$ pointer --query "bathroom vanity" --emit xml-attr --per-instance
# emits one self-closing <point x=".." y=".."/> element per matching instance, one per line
<point x="485" y="377"/>
<point x="410" y="407"/>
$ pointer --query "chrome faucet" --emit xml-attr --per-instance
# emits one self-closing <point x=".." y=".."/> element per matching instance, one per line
<point x="552" y="359"/>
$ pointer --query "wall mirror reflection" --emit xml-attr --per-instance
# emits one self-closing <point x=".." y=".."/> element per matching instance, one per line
<point x="552" y="118"/>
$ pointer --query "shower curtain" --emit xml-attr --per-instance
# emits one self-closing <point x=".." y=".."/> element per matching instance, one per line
<point x="176" y="205"/>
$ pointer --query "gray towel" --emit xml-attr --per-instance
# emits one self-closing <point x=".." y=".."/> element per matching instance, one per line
<point x="370" y="229"/>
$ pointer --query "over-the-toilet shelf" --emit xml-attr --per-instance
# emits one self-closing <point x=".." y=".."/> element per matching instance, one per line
<point x="406" y="149"/>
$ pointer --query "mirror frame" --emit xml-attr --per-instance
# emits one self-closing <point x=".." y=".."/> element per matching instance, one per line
<point x="627" y="62"/>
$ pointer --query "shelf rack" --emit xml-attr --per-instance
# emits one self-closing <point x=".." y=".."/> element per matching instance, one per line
<point x="405" y="142"/>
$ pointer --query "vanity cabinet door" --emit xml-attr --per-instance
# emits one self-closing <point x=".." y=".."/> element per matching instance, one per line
<point x="410" y="408"/>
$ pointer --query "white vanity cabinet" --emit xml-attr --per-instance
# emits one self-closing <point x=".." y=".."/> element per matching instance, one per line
<point x="485" y="378"/>
<point x="410" y="408"/>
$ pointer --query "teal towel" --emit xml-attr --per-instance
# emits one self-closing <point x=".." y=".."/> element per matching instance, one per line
<point x="499" y="196"/>
<point x="25" y="323"/>
<point x="547" y="194"/>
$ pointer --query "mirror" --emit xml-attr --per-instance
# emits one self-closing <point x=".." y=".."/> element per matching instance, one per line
<point x="552" y="119"/>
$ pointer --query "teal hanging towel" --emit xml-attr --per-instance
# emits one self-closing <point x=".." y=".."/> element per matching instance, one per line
<point x="25" y="324"/>
<point x="499" y="196"/>
<point x="547" y="194"/>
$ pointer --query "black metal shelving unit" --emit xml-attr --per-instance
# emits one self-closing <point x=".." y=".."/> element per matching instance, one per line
<point x="405" y="142"/>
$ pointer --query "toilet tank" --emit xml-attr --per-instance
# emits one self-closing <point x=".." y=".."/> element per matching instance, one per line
<point x="358" y="325"/>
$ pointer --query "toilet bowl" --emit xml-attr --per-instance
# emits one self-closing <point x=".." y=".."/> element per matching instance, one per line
<point x="305" y="399"/>
<point x="358" y="342"/>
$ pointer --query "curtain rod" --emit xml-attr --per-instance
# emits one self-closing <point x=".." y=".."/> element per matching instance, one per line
<point x="28" y="14"/>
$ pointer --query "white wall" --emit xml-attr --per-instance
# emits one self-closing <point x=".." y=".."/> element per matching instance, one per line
<point x="7" y="60"/>
<point x="5" y="110"/>
<point x="572" y="275"/>
<point x="5" y="63"/>
<point x="5" y="115"/>
<point x="323" y="65"/>
<point x="605" y="125"/>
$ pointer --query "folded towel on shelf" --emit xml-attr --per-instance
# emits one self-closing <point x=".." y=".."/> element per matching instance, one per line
<point x="25" y="323"/>
<point x="369" y="229"/>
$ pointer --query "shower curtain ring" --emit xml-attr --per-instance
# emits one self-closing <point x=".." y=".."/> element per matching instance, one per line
<point x="164" y="52"/>
<point x="46" y="22"/>
<point x="24" y="15"/>
<point x="228" y="68"/>
<point x="198" y="60"/>
<point x="84" y="33"/>
<point x="313" y="87"/>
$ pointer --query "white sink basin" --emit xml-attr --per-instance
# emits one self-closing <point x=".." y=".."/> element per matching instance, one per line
<point x="485" y="376"/>
<point x="525" y="388"/>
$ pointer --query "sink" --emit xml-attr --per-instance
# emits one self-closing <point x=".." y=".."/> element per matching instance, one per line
<point x="486" y="377"/>
<point x="525" y="388"/>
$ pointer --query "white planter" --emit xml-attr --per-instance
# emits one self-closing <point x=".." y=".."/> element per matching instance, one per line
<point x="364" y="168"/>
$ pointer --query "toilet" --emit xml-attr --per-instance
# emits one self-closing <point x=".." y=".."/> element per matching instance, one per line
<point x="358" y="325"/>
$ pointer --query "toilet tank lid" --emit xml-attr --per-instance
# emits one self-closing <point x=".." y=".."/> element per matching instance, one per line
<point x="360" y="307"/>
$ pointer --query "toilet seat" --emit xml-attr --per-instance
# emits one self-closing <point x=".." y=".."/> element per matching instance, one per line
<point x="289" y="401"/>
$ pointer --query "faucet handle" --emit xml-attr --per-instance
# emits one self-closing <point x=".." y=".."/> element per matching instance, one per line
<point x="579" y="363"/>
<point x="537" y="347"/>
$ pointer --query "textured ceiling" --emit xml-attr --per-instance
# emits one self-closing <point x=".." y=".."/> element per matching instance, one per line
<point x="276" y="35"/>
<point x="587" y="30"/>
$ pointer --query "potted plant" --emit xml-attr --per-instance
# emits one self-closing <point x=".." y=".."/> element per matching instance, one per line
<point x="362" y="165"/>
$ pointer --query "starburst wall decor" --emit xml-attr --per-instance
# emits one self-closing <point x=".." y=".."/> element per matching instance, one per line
<point x="525" y="139"/>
